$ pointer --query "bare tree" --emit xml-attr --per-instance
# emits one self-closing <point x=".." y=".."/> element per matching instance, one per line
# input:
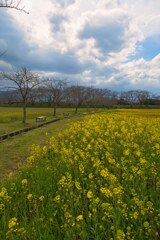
<point x="91" y="96"/>
<point x="44" y="95"/>
<point x="56" y="92"/>
<point x="24" y="81"/>
<point x="142" y="96"/>
<point x="12" y="4"/>
<point x="77" y="95"/>
<point x="109" y="98"/>
<point x="11" y="97"/>
<point x="98" y="97"/>
<point x="134" y="97"/>
<point x="129" y="97"/>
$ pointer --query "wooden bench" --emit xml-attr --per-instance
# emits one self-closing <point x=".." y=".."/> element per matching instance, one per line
<point x="65" y="114"/>
<point x="40" y="118"/>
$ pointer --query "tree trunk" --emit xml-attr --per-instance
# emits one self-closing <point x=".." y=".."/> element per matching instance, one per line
<point x="55" y="108"/>
<point x="24" y="113"/>
<point x="76" y="109"/>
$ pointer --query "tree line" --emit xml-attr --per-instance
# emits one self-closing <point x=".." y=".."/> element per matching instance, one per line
<point x="25" y="88"/>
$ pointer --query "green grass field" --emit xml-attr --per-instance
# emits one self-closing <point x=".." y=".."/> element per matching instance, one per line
<point x="11" y="118"/>
<point x="14" y="151"/>
<point x="98" y="178"/>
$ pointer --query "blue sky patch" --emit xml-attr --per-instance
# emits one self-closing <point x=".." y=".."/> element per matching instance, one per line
<point x="149" y="48"/>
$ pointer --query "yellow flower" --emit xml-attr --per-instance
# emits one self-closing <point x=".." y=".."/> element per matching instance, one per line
<point x="57" y="198"/>
<point x="89" y="194"/>
<point x="90" y="176"/>
<point x="12" y="223"/>
<point x="138" y="153"/>
<point x="135" y="215"/>
<point x="81" y="168"/>
<point x="67" y="215"/>
<point x="96" y="200"/>
<point x="78" y="186"/>
<point x="4" y="194"/>
<point x="111" y="160"/>
<point x="157" y="146"/>
<point x="146" y="224"/>
<point x="126" y="152"/>
<point x="120" y="235"/>
<point x="104" y="173"/>
<point x="41" y="198"/>
<point x="106" y="192"/>
<point x="142" y="161"/>
<point x="117" y="190"/>
<point x="29" y="196"/>
<point x="79" y="218"/>
<point x="24" y="182"/>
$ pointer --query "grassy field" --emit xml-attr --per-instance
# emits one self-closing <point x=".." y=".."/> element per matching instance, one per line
<point x="98" y="179"/>
<point x="146" y="113"/>
<point x="14" y="151"/>
<point x="11" y="118"/>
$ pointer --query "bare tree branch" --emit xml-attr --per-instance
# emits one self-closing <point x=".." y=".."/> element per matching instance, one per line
<point x="56" y="89"/>
<point x="2" y="53"/>
<point x="13" y="4"/>
<point x="23" y="81"/>
<point x="77" y="95"/>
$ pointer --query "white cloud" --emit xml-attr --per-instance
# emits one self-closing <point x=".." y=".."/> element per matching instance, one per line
<point x="103" y="35"/>
<point x="35" y="26"/>
<point x="140" y="74"/>
<point x="5" y="66"/>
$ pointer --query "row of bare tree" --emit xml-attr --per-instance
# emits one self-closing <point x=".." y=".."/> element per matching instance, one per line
<point x="25" y="87"/>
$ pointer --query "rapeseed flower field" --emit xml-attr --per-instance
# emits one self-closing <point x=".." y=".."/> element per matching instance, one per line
<point x="100" y="179"/>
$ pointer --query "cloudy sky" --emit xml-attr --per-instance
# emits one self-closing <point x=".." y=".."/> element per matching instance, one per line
<point x="104" y="43"/>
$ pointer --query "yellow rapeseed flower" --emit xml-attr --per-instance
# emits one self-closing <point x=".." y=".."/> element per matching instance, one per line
<point x="41" y="198"/>
<point x="29" y="196"/>
<point x="126" y="152"/>
<point x="12" y="223"/>
<point x="104" y="172"/>
<point x="135" y="215"/>
<point x="78" y="186"/>
<point x="106" y="192"/>
<point x="79" y="218"/>
<point x="120" y="235"/>
<point x="57" y="198"/>
<point x="24" y="182"/>
<point x="138" y="153"/>
<point x="89" y="194"/>
<point x="146" y="224"/>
